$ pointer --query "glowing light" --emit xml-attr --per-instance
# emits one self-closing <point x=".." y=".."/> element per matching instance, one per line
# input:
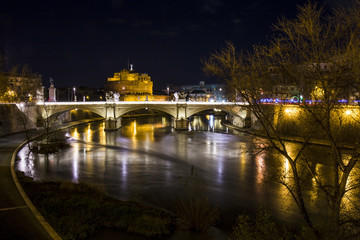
<point x="291" y="111"/>
<point x="348" y="112"/>
<point x="260" y="166"/>
<point x="75" y="163"/>
<point x="134" y="134"/>
<point x="102" y="134"/>
<point x="89" y="134"/>
<point x="211" y="122"/>
<point x="286" y="165"/>
<point x="75" y="134"/>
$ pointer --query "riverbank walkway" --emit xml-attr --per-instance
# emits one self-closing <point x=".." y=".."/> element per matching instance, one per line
<point x="293" y="139"/>
<point x="16" y="219"/>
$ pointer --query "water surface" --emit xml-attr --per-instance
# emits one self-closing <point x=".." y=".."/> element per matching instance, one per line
<point x="146" y="159"/>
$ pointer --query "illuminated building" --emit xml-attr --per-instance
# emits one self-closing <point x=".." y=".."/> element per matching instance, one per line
<point x="128" y="82"/>
<point x="133" y="86"/>
<point x="24" y="87"/>
<point x="204" y="92"/>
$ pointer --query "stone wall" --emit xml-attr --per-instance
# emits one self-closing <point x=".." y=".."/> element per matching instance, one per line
<point x="13" y="120"/>
<point x="294" y="120"/>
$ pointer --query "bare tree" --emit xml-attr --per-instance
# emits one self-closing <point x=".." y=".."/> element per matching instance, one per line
<point x="3" y="86"/>
<point x="46" y="120"/>
<point x="22" y="85"/>
<point x="317" y="54"/>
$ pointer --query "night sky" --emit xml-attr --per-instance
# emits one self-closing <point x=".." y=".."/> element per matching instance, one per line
<point x="82" y="43"/>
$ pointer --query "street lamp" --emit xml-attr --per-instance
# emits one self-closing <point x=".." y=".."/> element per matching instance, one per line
<point x="74" y="94"/>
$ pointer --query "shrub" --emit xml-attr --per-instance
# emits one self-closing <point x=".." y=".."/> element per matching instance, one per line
<point x="259" y="227"/>
<point x="193" y="208"/>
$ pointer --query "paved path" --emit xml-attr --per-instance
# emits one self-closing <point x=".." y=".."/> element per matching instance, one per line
<point x="16" y="219"/>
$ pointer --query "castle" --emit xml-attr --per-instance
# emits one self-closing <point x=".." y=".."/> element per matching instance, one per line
<point x="127" y="82"/>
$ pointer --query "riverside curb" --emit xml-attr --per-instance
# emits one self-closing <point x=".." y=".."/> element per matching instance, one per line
<point x="48" y="228"/>
<point x="28" y="202"/>
<point x="287" y="139"/>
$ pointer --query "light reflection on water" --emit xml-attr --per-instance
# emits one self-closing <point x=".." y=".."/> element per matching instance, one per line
<point x="152" y="162"/>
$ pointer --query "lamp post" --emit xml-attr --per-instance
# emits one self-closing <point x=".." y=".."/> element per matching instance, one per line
<point x="74" y="94"/>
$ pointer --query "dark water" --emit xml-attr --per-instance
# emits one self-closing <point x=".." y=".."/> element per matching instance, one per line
<point x="148" y="160"/>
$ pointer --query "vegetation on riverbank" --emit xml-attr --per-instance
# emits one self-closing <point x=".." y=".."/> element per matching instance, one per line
<point x="315" y="55"/>
<point x="193" y="208"/>
<point x="77" y="211"/>
<point x="262" y="226"/>
<point x="48" y="147"/>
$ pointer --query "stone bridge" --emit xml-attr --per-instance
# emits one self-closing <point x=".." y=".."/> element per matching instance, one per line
<point x="112" y="111"/>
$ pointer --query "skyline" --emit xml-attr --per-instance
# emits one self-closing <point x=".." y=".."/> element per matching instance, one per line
<point x="84" y="43"/>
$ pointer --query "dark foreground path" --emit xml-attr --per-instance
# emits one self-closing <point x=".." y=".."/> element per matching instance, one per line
<point x="16" y="219"/>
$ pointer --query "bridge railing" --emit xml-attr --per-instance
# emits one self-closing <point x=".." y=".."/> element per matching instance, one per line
<point x="140" y="103"/>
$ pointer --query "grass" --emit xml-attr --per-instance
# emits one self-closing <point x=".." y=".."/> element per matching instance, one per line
<point x="77" y="211"/>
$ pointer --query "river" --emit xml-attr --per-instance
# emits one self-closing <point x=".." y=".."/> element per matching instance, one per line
<point x="146" y="159"/>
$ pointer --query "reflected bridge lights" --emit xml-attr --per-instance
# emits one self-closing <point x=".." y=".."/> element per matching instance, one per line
<point x="211" y="122"/>
<point x="210" y="118"/>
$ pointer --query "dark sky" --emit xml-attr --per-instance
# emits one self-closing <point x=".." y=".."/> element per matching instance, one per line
<point x="82" y="43"/>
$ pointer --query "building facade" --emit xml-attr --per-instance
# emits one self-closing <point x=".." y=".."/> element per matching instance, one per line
<point x="127" y="82"/>
<point x="204" y="92"/>
<point x="23" y="87"/>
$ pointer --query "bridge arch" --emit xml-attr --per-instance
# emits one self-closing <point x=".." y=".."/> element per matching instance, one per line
<point x="233" y="111"/>
<point x="240" y="114"/>
<point x="56" y="110"/>
<point x="122" y="111"/>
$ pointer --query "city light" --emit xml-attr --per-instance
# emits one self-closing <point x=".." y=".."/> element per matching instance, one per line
<point x="74" y="89"/>
<point x="143" y="103"/>
<point x="292" y="111"/>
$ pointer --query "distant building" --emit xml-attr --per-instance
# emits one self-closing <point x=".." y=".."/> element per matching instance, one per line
<point x="133" y="86"/>
<point x="204" y="92"/>
<point x="24" y="87"/>
<point x="286" y="91"/>
<point x="128" y="82"/>
<point x="83" y="93"/>
<point x="199" y="95"/>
